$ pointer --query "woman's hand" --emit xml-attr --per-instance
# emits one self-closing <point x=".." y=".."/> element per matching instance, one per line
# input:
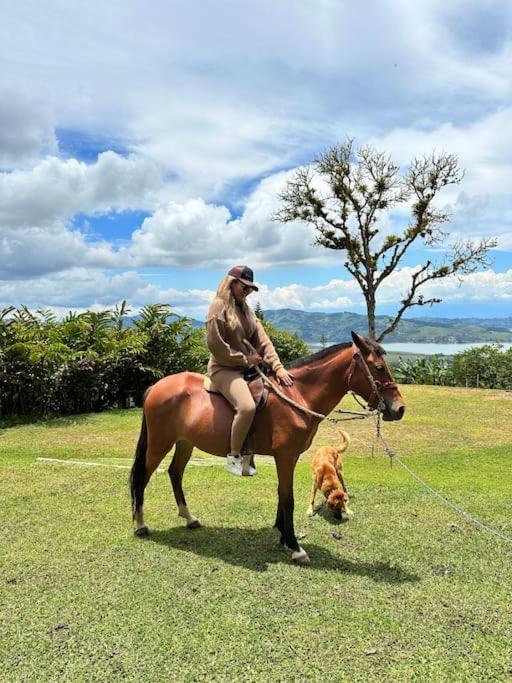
<point x="284" y="378"/>
<point x="254" y="359"/>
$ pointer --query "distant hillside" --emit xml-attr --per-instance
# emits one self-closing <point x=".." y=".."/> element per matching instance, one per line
<point x="337" y="326"/>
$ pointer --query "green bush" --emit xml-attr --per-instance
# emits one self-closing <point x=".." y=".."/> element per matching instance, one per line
<point x="288" y="346"/>
<point x="485" y="366"/>
<point x="90" y="361"/>
<point x="433" y="370"/>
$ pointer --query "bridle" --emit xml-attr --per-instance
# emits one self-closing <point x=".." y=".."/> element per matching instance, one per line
<point x="369" y="410"/>
<point x="375" y="401"/>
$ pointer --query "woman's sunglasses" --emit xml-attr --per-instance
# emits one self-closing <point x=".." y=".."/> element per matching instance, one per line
<point x="245" y="288"/>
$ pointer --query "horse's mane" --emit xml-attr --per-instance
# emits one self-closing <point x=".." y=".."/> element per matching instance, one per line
<point x="323" y="353"/>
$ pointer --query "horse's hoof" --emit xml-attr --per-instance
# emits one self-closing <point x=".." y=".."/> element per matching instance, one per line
<point x="142" y="532"/>
<point x="302" y="561"/>
<point x="194" y="524"/>
<point x="301" y="558"/>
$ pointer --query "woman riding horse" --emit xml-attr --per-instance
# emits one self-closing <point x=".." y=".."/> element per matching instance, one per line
<point x="229" y="322"/>
<point x="179" y="412"/>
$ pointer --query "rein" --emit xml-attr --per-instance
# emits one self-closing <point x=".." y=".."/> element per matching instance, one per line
<point x="354" y="415"/>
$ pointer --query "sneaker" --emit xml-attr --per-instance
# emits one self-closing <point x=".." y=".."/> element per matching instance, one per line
<point x="251" y="471"/>
<point x="234" y="464"/>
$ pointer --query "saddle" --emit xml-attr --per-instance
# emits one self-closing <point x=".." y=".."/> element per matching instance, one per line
<point x="258" y="390"/>
<point x="259" y="393"/>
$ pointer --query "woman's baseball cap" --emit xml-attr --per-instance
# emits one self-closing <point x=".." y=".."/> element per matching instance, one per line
<point x="244" y="274"/>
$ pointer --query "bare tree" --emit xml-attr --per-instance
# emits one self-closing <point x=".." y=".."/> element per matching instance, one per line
<point x="344" y="193"/>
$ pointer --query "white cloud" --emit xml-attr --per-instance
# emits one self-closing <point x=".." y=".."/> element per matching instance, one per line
<point x="37" y="205"/>
<point x="209" y="106"/>
<point x="183" y="234"/>
<point x="247" y="89"/>
<point x="81" y="288"/>
<point x="480" y="206"/>
<point x="176" y="234"/>
<point x="33" y="251"/>
<point x="483" y="146"/>
<point x="26" y="130"/>
<point x="84" y="288"/>
<point x="57" y="188"/>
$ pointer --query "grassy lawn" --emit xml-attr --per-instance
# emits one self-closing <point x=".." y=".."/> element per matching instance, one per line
<point x="405" y="591"/>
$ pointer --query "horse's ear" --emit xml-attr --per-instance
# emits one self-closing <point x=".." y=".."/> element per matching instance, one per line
<point x="361" y="343"/>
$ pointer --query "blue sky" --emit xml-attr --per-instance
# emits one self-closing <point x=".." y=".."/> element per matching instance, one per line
<point x="142" y="148"/>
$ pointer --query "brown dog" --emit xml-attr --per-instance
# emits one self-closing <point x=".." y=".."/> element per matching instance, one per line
<point x="328" y="477"/>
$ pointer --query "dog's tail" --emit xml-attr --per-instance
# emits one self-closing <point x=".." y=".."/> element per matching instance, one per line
<point x="345" y="440"/>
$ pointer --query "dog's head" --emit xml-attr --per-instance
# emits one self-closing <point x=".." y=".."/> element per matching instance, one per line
<point x="338" y="503"/>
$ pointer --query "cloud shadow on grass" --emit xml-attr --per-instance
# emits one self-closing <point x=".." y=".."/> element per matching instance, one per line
<point x="255" y="549"/>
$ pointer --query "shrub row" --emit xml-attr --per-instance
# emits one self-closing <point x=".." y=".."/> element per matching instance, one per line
<point x="487" y="366"/>
<point x="92" y="361"/>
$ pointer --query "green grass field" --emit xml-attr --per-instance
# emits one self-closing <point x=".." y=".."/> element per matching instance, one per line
<point x="404" y="591"/>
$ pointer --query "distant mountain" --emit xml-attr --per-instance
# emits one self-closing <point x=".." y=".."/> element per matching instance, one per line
<point x="337" y="326"/>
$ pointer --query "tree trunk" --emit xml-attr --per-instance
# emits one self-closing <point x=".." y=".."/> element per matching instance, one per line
<point x="370" y="307"/>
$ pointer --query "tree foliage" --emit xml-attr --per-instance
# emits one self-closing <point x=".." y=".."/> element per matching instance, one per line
<point x="94" y="360"/>
<point x="486" y="367"/>
<point x="344" y="195"/>
<point x="289" y="346"/>
<point x="259" y="312"/>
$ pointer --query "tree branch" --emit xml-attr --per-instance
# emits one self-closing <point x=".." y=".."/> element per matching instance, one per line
<point x="465" y="259"/>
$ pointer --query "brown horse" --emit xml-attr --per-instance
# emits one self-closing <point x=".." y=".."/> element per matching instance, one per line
<point x="178" y="410"/>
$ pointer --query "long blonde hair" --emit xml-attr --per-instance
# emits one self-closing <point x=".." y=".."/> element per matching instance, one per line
<point x="225" y="293"/>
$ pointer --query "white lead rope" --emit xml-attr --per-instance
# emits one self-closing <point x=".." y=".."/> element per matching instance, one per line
<point x="393" y="456"/>
<point x="389" y="451"/>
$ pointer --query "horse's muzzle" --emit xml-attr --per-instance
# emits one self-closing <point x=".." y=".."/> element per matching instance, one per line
<point x="394" y="411"/>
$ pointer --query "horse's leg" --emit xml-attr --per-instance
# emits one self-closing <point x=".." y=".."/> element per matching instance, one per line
<point x="154" y="457"/>
<point x="148" y="455"/>
<point x="279" y="523"/>
<point x="182" y="454"/>
<point x="285" y="469"/>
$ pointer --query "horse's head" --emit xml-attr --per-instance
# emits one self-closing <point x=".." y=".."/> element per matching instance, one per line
<point x="370" y="378"/>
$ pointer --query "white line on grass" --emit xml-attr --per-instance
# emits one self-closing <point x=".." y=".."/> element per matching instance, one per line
<point x="84" y="463"/>
<point x="89" y="464"/>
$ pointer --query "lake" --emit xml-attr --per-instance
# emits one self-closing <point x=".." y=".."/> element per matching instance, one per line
<point x="424" y="348"/>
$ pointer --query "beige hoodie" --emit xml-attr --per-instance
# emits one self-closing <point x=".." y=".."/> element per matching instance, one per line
<point x="226" y="344"/>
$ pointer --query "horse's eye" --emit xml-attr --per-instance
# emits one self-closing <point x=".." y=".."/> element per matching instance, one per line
<point x="380" y="368"/>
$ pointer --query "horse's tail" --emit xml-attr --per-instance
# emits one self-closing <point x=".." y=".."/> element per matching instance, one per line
<point x="138" y="471"/>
